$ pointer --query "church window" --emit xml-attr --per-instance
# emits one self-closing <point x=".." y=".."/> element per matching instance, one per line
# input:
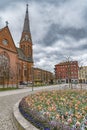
<point x="5" y="41"/>
<point x="19" y="69"/>
<point x="4" y="65"/>
<point x="24" y="47"/>
<point x="29" y="50"/>
<point x="25" y="73"/>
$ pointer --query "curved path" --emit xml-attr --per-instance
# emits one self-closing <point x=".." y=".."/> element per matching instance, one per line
<point x="6" y="109"/>
<point x="8" y="100"/>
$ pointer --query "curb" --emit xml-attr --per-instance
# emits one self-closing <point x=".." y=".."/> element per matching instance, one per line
<point x="20" y="121"/>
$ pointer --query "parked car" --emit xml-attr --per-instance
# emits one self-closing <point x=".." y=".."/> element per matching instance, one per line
<point x="29" y="82"/>
<point x="23" y="83"/>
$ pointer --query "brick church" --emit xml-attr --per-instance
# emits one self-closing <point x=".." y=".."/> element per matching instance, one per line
<point x="16" y="63"/>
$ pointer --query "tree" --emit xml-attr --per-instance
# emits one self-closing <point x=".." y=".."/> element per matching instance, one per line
<point x="68" y="70"/>
<point x="80" y="70"/>
<point x="4" y="69"/>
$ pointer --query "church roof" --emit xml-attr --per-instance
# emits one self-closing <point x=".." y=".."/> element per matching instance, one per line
<point x="7" y="40"/>
<point x="22" y="56"/>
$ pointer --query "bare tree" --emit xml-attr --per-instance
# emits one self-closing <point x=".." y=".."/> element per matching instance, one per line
<point x="80" y="70"/>
<point x="12" y="76"/>
<point x="4" y="69"/>
<point x="68" y="70"/>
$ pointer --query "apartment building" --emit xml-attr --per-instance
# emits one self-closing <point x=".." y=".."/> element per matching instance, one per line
<point x="82" y="74"/>
<point x="66" y="72"/>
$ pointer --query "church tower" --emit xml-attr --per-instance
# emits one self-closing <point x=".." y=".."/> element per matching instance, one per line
<point x="26" y="41"/>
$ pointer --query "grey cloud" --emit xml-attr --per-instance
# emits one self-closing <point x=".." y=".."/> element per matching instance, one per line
<point x="57" y="32"/>
<point x="53" y="26"/>
<point x="7" y="2"/>
<point x="3" y="3"/>
<point x="78" y="48"/>
<point x="52" y="1"/>
<point x="83" y="47"/>
<point x="51" y="36"/>
<point x="85" y="16"/>
<point x="73" y="32"/>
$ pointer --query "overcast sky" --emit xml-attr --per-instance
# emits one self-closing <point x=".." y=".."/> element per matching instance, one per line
<point x="58" y="28"/>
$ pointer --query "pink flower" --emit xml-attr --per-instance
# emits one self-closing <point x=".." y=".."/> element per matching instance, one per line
<point x="86" y="123"/>
<point x="69" y="120"/>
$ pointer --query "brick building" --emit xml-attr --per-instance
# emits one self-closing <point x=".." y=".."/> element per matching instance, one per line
<point x="16" y="63"/>
<point x="42" y="76"/>
<point x="66" y="72"/>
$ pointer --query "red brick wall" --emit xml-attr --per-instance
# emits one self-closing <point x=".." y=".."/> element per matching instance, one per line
<point x="67" y="70"/>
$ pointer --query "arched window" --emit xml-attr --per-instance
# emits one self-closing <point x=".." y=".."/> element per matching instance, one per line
<point x="4" y="58"/>
<point x="4" y="64"/>
<point x="23" y="47"/>
<point x="29" y="51"/>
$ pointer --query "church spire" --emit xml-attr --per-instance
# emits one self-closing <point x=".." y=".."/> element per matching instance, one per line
<point x="26" y="27"/>
<point x="26" y="40"/>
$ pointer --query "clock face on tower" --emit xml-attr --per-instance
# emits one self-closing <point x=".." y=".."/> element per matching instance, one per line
<point x="26" y="38"/>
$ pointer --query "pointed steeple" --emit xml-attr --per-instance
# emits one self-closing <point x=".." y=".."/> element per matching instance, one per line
<point x="26" y="27"/>
<point x="26" y="40"/>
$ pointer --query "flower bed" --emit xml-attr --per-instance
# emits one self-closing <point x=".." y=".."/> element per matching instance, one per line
<point x="56" y="110"/>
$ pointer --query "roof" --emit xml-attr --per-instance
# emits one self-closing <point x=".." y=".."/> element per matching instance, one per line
<point x="26" y="27"/>
<point x="67" y="62"/>
<point x="5" y="34"/>
<point x="22" y="56"/>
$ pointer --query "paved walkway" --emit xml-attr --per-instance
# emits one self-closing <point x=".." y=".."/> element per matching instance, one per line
<point x="6" y="110"/>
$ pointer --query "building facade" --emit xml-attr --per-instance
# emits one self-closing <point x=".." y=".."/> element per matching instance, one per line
<point x="16" y="63"/>
<point x="66" y="72"/>
<point x="42" y="76"/>
<point x="82" y="74"/>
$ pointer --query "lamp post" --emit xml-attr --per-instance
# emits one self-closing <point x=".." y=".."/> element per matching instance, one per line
<point x="32" y="78"/>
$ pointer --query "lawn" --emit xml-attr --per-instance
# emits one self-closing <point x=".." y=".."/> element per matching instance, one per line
<point x="56" y="110"/>
<point x="9" y="88"/>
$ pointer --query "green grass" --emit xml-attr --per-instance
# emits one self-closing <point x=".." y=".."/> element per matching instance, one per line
<point x="9" y="88"/>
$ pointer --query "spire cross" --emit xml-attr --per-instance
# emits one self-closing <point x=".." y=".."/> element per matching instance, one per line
<point x="27" y="5"/>
<point x="27" y="8"/>
<point x="6" y="23"/>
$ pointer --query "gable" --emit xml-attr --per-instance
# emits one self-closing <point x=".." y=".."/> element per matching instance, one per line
<point x="6" y="40"/>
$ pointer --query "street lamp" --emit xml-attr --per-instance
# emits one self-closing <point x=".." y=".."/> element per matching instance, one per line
<point x="32" y="78"/>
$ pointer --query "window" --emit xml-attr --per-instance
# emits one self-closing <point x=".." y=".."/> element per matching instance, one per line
<point x="29" y="51"/>
<point x="5" y="41"/>
<point x="25" y="73"/>
<point x="24" y="47"/>
<point x="4" y="65"/>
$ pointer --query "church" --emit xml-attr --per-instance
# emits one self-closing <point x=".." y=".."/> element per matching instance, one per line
<point x="16" y="63"/>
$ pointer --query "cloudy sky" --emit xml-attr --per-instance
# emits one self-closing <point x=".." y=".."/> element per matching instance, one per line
<point x="58" y="28"/>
